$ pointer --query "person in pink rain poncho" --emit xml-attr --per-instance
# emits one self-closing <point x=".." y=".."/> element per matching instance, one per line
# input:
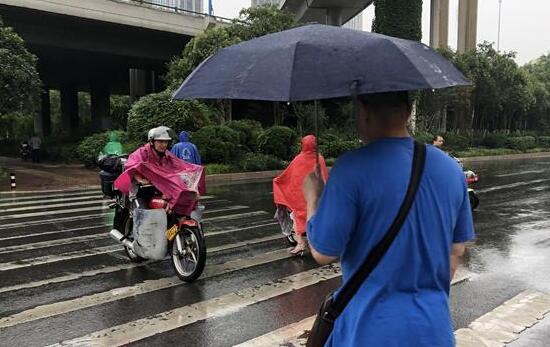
<point x="181" y="183"/>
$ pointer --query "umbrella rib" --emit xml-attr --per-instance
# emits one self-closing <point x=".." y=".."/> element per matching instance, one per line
<point x="289" y="97"/>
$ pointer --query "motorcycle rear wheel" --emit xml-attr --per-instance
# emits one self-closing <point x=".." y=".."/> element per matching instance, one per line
<point x="189" y="261"/>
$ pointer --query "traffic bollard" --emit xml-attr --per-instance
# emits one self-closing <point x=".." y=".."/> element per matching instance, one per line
<point x="12" y="179"/>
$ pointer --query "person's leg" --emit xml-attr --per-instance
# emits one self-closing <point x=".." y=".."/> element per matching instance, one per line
<point x="300" y="237"/>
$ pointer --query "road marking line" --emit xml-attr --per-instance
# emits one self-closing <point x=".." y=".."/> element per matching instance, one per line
<point x="57" y="212"/>
<point x="54" y="258"/>
<point x="44" y="206"/>
<point x="53" y="243"/>
<point x="504" y="324"/>
<point x="511" y="185"/>
<point x="147" y="286"/>
<point x="41" y="201"/>
<point x="62" y="231"/>
<point x="295" y="334"/>
<point x="207" y="309"/>
<point x="18" y="264"/>
<point x="234" y="216"/>
<point x="16" y="198"/>
<point x="54" y="220"/>
<point x="96" y="236"/>
<point x="239" y="229"/>
<point x="105" y="270"/>
<point x="85" y="209"/>
<point x="45" y="203"/>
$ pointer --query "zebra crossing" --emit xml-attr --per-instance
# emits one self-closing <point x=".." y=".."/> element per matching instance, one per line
<point x="64" y="282"/>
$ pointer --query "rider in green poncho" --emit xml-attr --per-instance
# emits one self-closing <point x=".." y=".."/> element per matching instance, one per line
<point x="113" y="146"/>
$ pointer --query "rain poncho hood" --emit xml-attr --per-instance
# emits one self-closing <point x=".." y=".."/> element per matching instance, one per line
<point x="287" y="187"/>
<point x="177" y="180"/>
<point x="186" y="150"/>
<point x="113" y="146"/>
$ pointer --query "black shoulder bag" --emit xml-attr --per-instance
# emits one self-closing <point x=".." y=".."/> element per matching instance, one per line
<point x="332" y="307"/>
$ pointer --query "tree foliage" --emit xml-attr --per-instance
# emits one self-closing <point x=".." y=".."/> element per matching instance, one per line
<point x="503" y="96"/>
<point x="251" y="23"/>
<point x="19" y="80"/>
<point x="398" y="18"/>
<point x="157" y="109"/>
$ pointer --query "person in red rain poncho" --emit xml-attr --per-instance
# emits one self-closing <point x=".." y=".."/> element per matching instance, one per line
<point x="287" y="189"/>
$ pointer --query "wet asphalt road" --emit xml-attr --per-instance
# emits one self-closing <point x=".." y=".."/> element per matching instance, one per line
<point x="63" y="279"/>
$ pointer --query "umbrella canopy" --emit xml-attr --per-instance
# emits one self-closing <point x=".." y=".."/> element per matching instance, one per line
<point x="315" y="62"/>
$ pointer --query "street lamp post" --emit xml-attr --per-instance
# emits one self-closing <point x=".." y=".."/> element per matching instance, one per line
<point x="499" y="16"/>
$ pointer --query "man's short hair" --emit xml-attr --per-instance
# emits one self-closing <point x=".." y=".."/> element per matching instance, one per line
<point x="436" y="137"/>
<point x="379" y="101"/>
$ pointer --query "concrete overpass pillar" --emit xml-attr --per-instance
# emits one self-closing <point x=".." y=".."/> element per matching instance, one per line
<point x="69" y="109"/>
<point x="43" y="122"/>
<point x="334" y="16"/>
<point x="100" y="106"/>
<point x="467" y="25"/>
<point x="142" y="82"/>
<point x="439" y="23"/>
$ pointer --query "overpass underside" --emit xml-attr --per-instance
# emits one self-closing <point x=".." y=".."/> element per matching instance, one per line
<point x="102" y="58"/>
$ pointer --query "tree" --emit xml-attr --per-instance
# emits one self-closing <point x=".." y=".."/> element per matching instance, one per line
<point x="398" y="18"/>
<point x="251" y="23"/>
<point x="19" y="80"/>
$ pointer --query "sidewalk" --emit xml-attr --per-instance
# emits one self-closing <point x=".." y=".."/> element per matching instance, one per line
<point x="45" y="176"/>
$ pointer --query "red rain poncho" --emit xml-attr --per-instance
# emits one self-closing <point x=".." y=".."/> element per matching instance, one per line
<point x="287" y="187"/>
<point x="176" y="179"/>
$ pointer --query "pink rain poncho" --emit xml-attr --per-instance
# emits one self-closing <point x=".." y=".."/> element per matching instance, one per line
<point x="180" y="182"/>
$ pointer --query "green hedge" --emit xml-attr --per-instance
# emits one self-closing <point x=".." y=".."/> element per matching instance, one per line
<point x="495" y="140"/>
<point x="213" y="169"/>
<point x="217" y="144"/>
<point x="248" y="130"/>
<point x="157" y="109"/>
<point x="260" y="162"/>
<point x="543" y="141"/>
<point x="521" y="143"/>
<point x="332" y="146"/>
<point x="277" y="141"/>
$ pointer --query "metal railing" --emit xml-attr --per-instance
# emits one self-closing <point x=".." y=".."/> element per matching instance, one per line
<point x="173" y="8"/>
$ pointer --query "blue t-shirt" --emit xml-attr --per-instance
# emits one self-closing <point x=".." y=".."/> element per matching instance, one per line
<point x="404" y="302"/>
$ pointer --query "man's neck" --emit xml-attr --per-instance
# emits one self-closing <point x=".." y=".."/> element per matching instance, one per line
<point x="385" y="133"/>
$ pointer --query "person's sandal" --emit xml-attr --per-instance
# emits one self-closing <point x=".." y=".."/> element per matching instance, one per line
<point x="300" y="250"/>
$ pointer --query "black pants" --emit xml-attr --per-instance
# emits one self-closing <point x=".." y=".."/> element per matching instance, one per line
<point x="35" y="154"/>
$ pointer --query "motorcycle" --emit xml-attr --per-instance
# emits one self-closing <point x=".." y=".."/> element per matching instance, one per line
<point x="25" y="151"/>
<point x="179" y="237"/>
<point x="471" y="179"/>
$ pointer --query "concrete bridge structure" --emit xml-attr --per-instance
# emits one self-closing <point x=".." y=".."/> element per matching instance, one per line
<point x="101" y="47"/>
<point x="338" y="12"/>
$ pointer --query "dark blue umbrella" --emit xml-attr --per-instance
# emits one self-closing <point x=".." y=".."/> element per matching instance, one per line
<point x="315" y="62"/>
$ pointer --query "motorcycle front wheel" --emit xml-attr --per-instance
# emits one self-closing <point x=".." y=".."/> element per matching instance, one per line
<point x="188" y="253"/>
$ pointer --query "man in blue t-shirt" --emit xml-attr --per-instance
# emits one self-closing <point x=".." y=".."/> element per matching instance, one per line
<point x="405" y="300"/>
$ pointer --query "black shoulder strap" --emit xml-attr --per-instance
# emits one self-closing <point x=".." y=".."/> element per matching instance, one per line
<point x="353" y="285"/>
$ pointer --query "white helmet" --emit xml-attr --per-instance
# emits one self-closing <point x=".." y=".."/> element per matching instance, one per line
<point x="160" y="133"/>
